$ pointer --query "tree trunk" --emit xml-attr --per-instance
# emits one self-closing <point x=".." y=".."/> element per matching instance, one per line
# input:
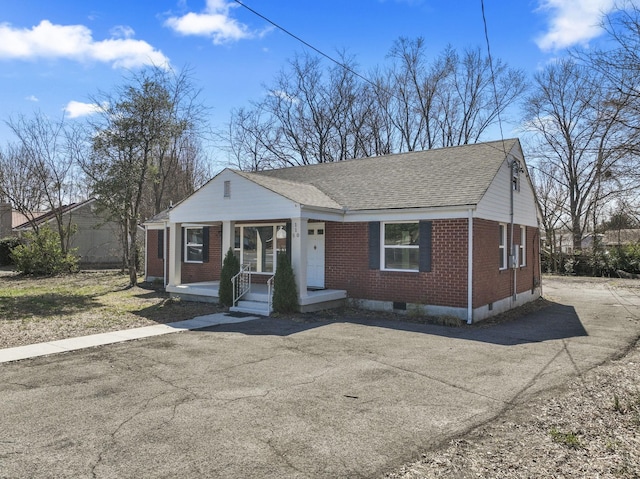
<point x="133" y="254"/>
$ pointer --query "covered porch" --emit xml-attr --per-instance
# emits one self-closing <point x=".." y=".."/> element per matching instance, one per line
<point x="257" y="243"/>
<point x="256" y="300"/>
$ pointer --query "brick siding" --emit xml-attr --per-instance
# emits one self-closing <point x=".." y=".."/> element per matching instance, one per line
<point x="155" y="265"/>
<point x="209" y="271"/>
<point x="491" y="284"/>
<point x="347" y="267"/>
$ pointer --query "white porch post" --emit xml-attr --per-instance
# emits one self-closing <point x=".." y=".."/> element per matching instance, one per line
<point x="299" y="254"/>
<point x="228" y="233"/>
<point x="175" y="254"/>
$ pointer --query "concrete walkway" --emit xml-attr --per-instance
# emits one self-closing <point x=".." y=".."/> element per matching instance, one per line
<point x="73" y="344"/>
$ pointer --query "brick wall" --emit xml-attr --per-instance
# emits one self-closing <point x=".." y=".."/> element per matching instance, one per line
<point x="347" y="267"/>
<point x="210" y="271"/>
<point x="155" y="265"/>
<point x="489" y="282"/>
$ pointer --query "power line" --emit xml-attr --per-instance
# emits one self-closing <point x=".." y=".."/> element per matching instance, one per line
<point x="493" y="76"/>
<point x="377" y="86"/>
<point x="307" y="44"/>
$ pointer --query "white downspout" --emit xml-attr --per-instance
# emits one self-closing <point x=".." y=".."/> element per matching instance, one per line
<point x="512" y="253"/>
<point x="470" y="269"/>
<point x="146" y="254"/>
<point x="165" y="256"/>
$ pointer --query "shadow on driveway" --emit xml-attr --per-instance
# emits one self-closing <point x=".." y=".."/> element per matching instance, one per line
<point x="557" y="321"/>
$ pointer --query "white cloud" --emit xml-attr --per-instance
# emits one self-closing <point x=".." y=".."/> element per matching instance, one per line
<point x="77" y="109"/>
<point x="122" y="31"/>
<point x="572" y="22"/>
<point x="283" y="95"/>
<point x="75" y="42"/>
<point x="32" y="98"/>
<point x="215" y="22"/>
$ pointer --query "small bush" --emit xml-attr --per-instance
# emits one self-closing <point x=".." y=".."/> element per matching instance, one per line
<point x="230" y="267"/>
<point x="6" y="245"/>
<point x="625" y="258"/>
<point x="285" y="291"/>
<point x="567" y="439"/>
<point x="42" y="255"/>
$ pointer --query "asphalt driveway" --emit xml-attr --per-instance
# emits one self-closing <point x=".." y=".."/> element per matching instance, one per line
<point x="276" y="398"/>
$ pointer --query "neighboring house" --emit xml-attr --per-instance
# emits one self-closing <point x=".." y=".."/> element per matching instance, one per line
<point x="451" y="231"/>
<point x="97" y="240"/>
<point x="10" y="218"/>
<point x="607" y="240"/>
<point x="621" y="237"/>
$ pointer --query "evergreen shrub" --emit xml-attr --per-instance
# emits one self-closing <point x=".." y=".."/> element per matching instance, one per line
<point x="6" y="245"/>
<point x="41" y="254"/>
<point x="230" y="267"/>
<point x="285" y="291"/>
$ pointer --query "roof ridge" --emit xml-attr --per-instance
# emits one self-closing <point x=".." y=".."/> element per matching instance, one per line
<point x="389" y="155"/>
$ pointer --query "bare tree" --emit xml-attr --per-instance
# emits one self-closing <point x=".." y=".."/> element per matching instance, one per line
<point x="552" y="200"/>
<point x="39" y="172"/>
<point x="17" y="185"/>
<point x="409" y="92"/>
<point x="314" y="114"/>
<point x="619" y="61"/>
<point x="576" y="117"/>
<point x="470" y="105"/>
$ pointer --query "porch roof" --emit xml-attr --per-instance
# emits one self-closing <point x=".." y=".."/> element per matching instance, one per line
<point x="300" y="192"/>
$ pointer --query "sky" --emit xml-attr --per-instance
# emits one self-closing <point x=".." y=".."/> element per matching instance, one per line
<point x="56" y="55"/>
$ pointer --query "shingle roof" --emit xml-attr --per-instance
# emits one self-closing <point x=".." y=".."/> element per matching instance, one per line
<point x="299" y="191"/>
<point x="455" y="176"/>
<point x="51" y="214"/>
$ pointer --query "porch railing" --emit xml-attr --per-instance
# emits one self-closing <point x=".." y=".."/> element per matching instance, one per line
<point x="270" y="293"/>
<point x="241" y="283"/>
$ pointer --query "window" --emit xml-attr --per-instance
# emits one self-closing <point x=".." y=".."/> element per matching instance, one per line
<point x="194" y="241"/>
<point x="523" y="246"/>
<point x="503" y="246"/>
<point x="254" y="246"/>
<point x="160" y="244"/>
<point x="227" y="189"/>
<point x="401" y="246"/>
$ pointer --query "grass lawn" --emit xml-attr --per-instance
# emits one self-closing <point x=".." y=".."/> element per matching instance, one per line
<point x="34" y="310"/>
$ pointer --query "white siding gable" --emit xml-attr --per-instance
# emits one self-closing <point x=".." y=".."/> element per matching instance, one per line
<point x="246" y="201"/>
<point x="495" y="204"/>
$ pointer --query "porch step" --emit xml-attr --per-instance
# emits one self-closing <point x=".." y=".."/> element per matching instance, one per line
<point x="255" y="296"/>
<point x="251" y="307"/>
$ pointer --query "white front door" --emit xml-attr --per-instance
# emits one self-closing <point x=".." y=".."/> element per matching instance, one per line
<point x="315" y="255"/>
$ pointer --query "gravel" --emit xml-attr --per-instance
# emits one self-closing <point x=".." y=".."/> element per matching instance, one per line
<point x="590" y="428"/>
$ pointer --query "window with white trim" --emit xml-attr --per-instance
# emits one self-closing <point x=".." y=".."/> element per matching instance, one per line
<point x="193" y="245"/>
<point x="258" y="245"/>
<point x="523" y="246"/>
<point x="400" y="246"/>
<point x="503" y="245"/>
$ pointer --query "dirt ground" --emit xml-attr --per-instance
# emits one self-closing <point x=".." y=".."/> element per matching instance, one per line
<point x="588" y="429"/>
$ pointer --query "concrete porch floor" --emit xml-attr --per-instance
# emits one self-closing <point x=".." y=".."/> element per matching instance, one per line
<point x="207" y="291"/>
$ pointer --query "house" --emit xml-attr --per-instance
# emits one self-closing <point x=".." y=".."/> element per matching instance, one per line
<point x="620" y="237"/>
<point x="451" y="231"/>
<point x="608" y="240"/>
<point x="96" y="239"/>
<point x="10" y="219"/>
